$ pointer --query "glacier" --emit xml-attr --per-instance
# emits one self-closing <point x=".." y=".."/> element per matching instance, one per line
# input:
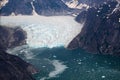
<point x="42" y="31"/>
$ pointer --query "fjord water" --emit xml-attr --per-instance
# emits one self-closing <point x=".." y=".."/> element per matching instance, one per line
<point x="62" y="64"/>
<point x="45" y="38"/>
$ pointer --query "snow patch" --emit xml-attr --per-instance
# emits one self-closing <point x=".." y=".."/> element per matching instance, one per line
<point x="116" y="8"/>
<point x="75" y="4"/>
<point x="3" y="3"/>
<point x="33" y="12"/>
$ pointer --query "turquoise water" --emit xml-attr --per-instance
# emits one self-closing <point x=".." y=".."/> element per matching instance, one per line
<point x="75" y="65"/>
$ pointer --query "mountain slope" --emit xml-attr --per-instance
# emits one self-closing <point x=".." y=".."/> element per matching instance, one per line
<point x="101" y="30"/>
<point x="12" y="67"/>
<point x="91" y="3"/>
<point x="27" y="7"/>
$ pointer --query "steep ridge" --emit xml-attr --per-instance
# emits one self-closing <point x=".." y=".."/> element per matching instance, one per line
<point x="101" y="30"/>
<point x="76" y="4"/>
<point x="91" y="3"/>
<point x="12" y="67"/>
<point x="11" y="37"/>
<point x="41" y="7"/>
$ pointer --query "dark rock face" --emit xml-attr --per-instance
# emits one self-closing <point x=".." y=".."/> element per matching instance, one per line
<point x="92" y="3"/>
<point x="12" y="67"/>
<point x="11" y="37"/>
<point x="18" y="7"/>
<point x="101" y="31"/>
<point x="42" y="7"/>
<point x="48" y="7"/>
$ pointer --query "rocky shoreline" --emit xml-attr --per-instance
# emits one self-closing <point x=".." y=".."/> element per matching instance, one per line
<point x="13" y="67"/>
<point x="100" y="33"/>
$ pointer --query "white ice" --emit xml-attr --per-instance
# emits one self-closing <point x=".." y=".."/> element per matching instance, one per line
<point x="45" y="31"/>
<point x="59" y="68"/>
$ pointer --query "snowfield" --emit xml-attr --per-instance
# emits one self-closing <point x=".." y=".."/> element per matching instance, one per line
<point x="44" y="31"/>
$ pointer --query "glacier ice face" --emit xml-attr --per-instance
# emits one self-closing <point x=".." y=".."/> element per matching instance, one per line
<point x="46" y="31"/>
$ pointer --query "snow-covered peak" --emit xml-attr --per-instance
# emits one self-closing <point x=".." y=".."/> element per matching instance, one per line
<point x="118" y="1"/>
<point x="117" y="6"/>
<point x="2" y="3"/>
<point x="33" y="7"/>
<point x="75" y="4"/>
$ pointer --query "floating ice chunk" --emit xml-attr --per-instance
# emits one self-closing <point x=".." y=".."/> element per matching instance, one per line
<point x="79" y="62"/>
<point x="54" y="56"/>
<point x="43" y="66"/>
<point x="102" y="76"/>
<point x="59" y="68"/>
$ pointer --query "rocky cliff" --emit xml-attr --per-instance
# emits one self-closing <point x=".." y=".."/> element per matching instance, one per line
<point x="101" y="31"/>
<point x="91" y="3"/>
<point x="29" y="7"/>
<point x="11" y="37"/>
<point x="12" y="67"/>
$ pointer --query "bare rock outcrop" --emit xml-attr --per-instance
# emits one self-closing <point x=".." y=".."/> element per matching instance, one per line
<point x="13" y="67"/>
